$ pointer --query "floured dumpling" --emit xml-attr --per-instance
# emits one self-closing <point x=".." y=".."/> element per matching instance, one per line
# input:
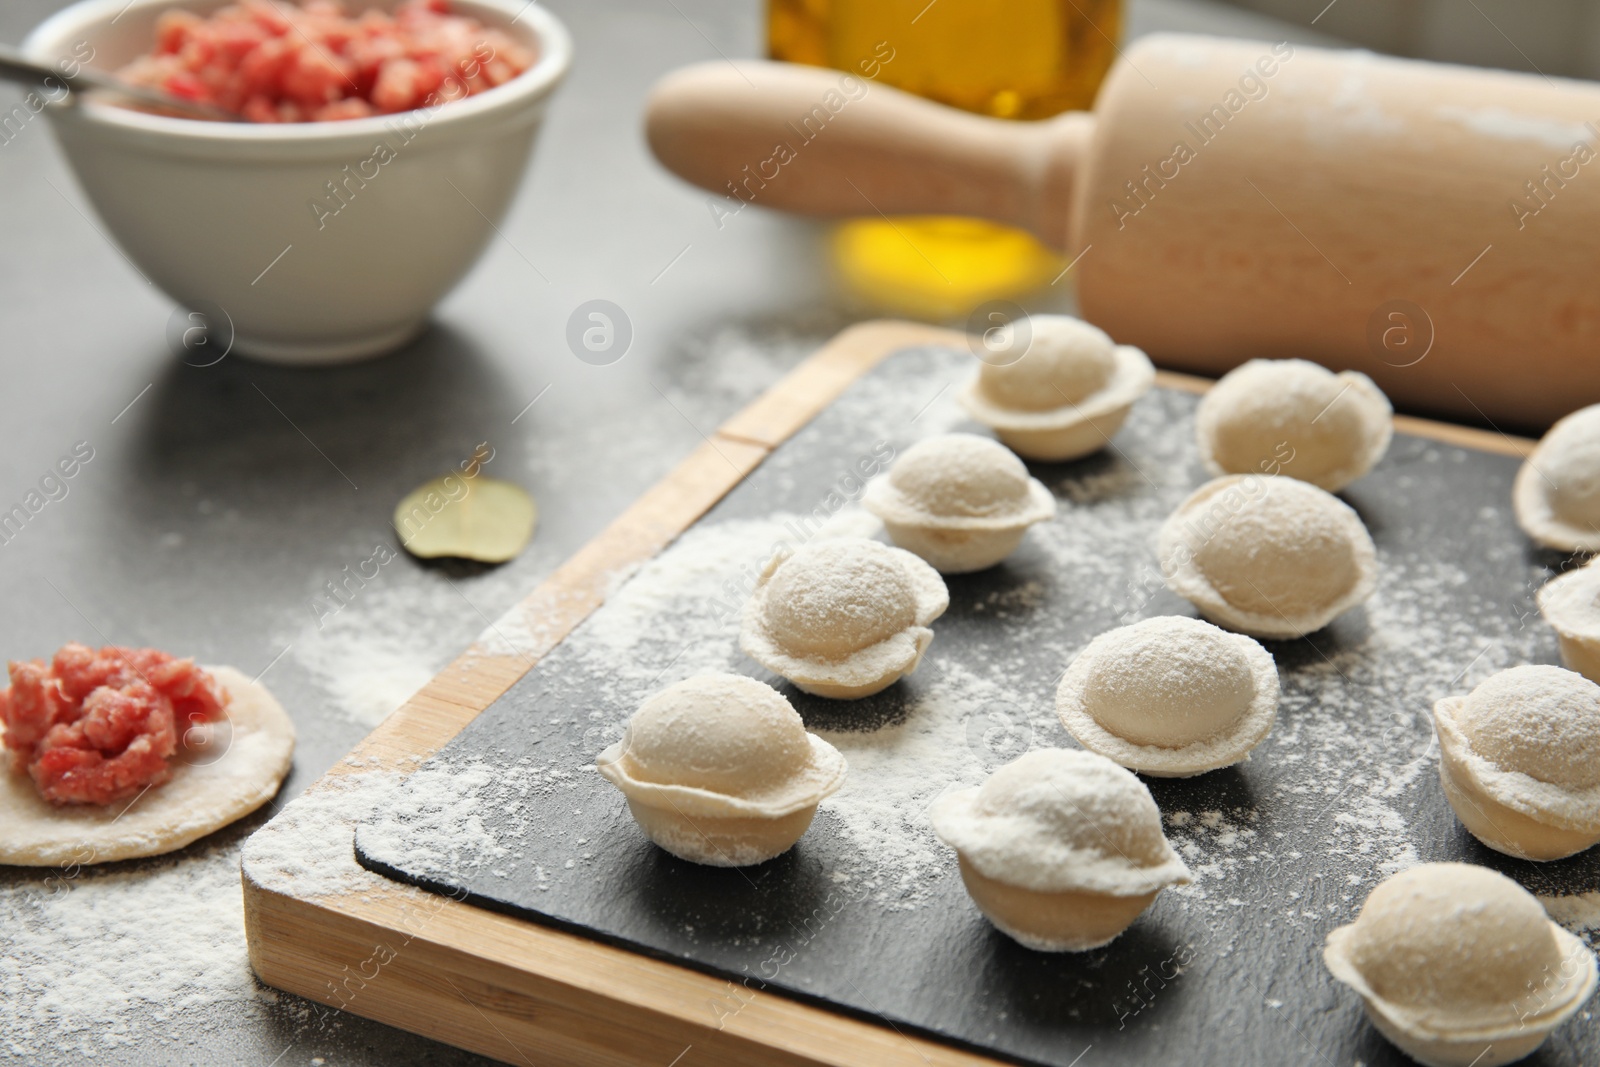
<point x="1291" y="416"/>
<point x="1458" y="965"/>
<point x="1067" y="395"/>
<point x="843" y="617"/>
<point x="719" y="769"/>
<point x="1519" y="759"/>
<point x="1570" y="603"/>
<point x="960" y="501"/>
<point x="1061" y="850"/>
<point x="1557" y="492"/>
<point x="1269" y="557"/>
<point x="1170" y="697"/>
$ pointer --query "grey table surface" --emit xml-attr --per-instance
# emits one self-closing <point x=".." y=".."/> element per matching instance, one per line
<point x="221" y="500"/>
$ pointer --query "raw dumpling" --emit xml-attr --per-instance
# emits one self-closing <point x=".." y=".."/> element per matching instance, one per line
<point x="719" y="769"/>
<point x="1062" y="850"/>
<point x="1269" y="557"/>
<point x="843" y="617"/>
<point x="1570" y="603"/>
<point x="960" y="501"/>
<point x="1459" y="966"/>
<point x="1170" y="697"/>
<point x="1519" y="759"/>
<point x="1557" y="492"/>
<point x="1290" y="416"/>
<point x="1066" y="396"/>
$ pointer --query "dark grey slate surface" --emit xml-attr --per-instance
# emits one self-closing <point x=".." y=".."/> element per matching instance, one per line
<point x="1345" y="789"/>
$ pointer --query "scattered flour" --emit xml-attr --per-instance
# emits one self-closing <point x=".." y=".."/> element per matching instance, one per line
<point x="306" y="850"/>
<point x="896" y="774"/>
<point x="718" y="370"/>
<point x="512" y="634"/>
<point x="100" y="958"/>
<point x="441" y="811"/>
<point x="371" y="656"/>
<point x="1350" y="761"/>
<point x="445" y="809"/>
<point x="1352" y="770"/>
<point x="1503" y="124"/>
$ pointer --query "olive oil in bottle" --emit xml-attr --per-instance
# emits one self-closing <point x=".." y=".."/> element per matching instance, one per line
<point x="1011" y="59"/>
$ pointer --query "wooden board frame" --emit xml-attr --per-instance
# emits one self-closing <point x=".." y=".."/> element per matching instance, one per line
<point x="526" y="993"/>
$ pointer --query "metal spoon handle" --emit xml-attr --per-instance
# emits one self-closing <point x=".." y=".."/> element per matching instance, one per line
<point x="16" y="67"/>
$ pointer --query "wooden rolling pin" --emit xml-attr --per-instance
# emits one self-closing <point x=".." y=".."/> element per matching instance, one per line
<point x="1434" y="226"/>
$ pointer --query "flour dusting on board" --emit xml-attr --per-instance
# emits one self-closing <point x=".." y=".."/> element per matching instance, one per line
<point x="305" y="850"/>
<point x="1353" y="726"/>
<point x="895" y="773"/>
<point x="512" y="634"/>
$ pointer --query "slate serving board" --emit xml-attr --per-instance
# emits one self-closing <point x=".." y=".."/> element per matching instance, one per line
<point x="1287" y="845"/>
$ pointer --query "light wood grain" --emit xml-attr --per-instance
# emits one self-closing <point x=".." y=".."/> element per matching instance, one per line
<point x="522" y="992"/>
<point x="816" y="142"/>
<point x="530" y="994"/>
<point x="1228" y="200"/>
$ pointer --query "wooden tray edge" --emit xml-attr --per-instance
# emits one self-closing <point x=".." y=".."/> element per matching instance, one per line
<point x="522" y="992"/>
<point x="526" y="993"/>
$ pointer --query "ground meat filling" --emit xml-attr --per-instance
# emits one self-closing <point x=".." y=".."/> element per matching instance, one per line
<point x="271" y="61"/>
<point x="94" y="727"/>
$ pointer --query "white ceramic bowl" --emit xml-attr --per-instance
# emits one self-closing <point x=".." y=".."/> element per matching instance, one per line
<point x="223" y="212"/>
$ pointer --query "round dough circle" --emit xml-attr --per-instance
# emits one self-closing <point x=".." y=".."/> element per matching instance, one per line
<point x="962" y="475"/>
<point x="201" y="796"/>
<point x="830" y="600"/>
<point x="1066" y="361"/>
<point x="725" y="732"/>
<point x="1294" y="417"/>
<point x="1451" y="939"/>
<point x="1540" y="721"/>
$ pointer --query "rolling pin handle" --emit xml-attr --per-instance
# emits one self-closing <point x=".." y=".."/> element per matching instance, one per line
<point x="827" y="143"/>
